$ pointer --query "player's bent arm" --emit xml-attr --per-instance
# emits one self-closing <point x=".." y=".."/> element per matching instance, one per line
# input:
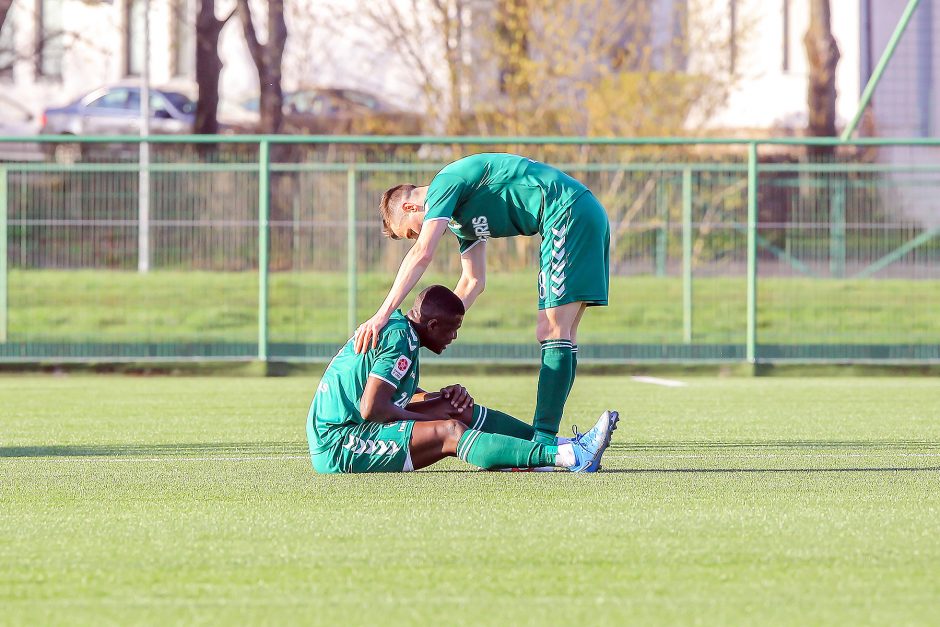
<point x="422" y="395"/>
<point x="440" y="408"/>
<point x="472" y="274"/>
<point x="376" y="404"/>
<point x="414" y="264"/>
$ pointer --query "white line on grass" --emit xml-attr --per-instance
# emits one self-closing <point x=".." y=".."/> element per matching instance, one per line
<point x="669" y="383"/>
<point x="167" y="458"/>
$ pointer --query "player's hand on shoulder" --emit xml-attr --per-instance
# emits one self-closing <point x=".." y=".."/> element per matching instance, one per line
<point x="367" y="335"/>
<point x="458" y="396"/>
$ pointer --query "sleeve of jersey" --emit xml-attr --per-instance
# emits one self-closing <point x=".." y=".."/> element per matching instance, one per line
<point x="394" y="361"/>
<point x="443" y="194"/>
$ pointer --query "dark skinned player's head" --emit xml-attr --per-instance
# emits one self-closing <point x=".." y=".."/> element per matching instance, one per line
<point x="437" y="314"/>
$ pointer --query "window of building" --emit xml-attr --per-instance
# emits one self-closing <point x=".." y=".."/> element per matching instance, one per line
<point x="134" y="36"/>
<point x="183" y="37"/>
<point x="50" y="38"/>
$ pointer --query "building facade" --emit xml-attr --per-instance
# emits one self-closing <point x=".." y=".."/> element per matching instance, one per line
<point x="52" y="51"/>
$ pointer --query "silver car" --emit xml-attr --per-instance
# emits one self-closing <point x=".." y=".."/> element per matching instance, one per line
<point x="16" y="122"/>
<point x="116" y="111"/>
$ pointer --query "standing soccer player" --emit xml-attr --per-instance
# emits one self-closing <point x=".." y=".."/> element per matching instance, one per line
<point x="503" y="195"/>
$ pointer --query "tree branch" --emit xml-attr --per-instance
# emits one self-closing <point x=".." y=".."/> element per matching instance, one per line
<point x="251" y="37"/>
<point x="4" y="8"/>
<point x="225" y="20"/>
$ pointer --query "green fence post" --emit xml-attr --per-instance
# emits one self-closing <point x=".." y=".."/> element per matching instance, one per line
<point x="751" y="340"/>
<point x="662" y="234"/>
<point x="687" y="256"/>
<point x="264" y="210"/>
<point x="3" y="254"/>
<point x="351" y="256"/>
<point x="837" y="231"/>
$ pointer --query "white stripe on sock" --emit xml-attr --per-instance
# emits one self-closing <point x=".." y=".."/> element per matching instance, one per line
<point x="480" y="419"/>
<point x="470" y="442"/>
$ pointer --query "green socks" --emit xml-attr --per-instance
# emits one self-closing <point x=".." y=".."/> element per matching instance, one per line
<point x="493" y="450"/>
<point x="555" y="377"/>
<point x="494" y="421"/>
<point x="574" y="368"/>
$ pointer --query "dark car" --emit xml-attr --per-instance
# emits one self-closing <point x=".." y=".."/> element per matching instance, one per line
<point x="116" y="111"/>
<point x="331" y="111"/>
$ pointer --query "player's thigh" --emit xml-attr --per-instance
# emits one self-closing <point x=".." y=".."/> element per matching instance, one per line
<point x="575" y="256"/>
<point x="368" y="447"/>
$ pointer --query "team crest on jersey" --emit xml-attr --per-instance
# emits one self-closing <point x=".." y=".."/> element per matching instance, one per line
<point x="401" y="367"/>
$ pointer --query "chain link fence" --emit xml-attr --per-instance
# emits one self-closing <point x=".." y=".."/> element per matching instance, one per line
<point x="270" y="248"/>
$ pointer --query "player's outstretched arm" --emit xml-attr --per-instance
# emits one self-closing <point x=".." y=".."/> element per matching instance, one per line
<point x="412" y="269"/>
<point x="472" y="274"/>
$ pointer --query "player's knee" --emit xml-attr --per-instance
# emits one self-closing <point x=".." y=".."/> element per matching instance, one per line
<point x="450" y="431"/>
<point x="551" y="330"/>
<point x="543" y="330"/>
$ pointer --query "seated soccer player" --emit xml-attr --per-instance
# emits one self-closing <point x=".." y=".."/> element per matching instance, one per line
<point x="369" y="415"/>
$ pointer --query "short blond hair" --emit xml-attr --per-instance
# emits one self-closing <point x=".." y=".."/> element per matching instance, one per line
<point x="390" y="207"/>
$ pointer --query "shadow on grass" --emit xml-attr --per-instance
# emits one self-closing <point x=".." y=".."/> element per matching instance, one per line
<point x="641" y="471"/>
<point x="187" y="449"/>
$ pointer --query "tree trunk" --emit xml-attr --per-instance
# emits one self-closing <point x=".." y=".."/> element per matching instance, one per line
<point x="267" y="59"/>
<point x="208" y="68"/>
<point x="4" y="8"/>
<point x="822" y="52"/>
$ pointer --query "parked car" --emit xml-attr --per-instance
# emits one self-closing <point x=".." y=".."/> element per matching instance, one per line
<point x="17" y="122"/>
<point x="115" y="110"/>
<point x="333" y="111"/>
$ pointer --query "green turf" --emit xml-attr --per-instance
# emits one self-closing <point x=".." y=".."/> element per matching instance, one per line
<point x="166" y="306"/>
<point x="729" y="501"/>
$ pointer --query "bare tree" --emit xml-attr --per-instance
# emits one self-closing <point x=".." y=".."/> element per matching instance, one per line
<point x="822" y="52"/>
<point x="9" y="54"/>
<point x="419" y="32"/>
<point x="267" y="58"/>
<point x="208" y="67"/>
<point x="4" y="8"/>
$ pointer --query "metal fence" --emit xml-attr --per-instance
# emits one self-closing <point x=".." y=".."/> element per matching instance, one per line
<point x="269" y="248"/>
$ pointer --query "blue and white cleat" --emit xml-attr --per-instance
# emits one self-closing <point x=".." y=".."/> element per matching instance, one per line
<point x="589" y="447"/>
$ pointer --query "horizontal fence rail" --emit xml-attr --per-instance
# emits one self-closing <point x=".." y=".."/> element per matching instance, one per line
<point x="269" y="248"/>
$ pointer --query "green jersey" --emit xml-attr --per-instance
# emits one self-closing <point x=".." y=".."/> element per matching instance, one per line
<point x="336" y="403"/>
<point x="498" y="195"/>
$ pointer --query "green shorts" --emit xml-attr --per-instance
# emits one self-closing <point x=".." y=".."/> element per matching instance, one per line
<point x="365" y="447"/>
<point x="574" y="258"/>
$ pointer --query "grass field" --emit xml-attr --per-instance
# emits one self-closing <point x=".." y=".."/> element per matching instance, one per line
<point x="167" y="306"/>
<point x="728" y="501"/>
